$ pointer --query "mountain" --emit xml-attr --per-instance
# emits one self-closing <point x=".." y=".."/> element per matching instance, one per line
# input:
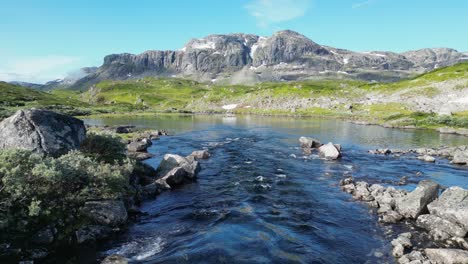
<point x="36" y="86"/>
<point x="286" y="55"/>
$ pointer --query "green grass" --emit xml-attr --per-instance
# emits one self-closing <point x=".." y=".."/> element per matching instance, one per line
<point x="148" y="96"/>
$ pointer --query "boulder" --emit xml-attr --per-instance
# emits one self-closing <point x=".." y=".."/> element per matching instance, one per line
<point x="390" y="217"/>
<point x="460" y="157"/>
<point x="415" y="203"/>
<point x="174" y="177"/>
<point x="307" y="142"/>
<point x="400" y="243"/>
<point x="427" y="158"/>
<point x="329" y="151"/>
<point x="92" y="233"/>
<point x="447" y="256"/>
<point x="437" y="224"/>
<point x="140" y="155"/>
<point x="200" y="154"/>
<point x="44" y="237"/>
<point x="109" y="212"/>
<point x="115" y="259"/>
<point x="452" y="205"/>
<point x="42" y="131"/>
<point x="171" y="161"/>
<point x="362" y="192"/>
<point x="124" y="129"/>
<point x="138" y="146"/>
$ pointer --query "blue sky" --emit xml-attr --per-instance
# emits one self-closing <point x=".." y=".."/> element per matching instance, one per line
<point x="48" y="39"/>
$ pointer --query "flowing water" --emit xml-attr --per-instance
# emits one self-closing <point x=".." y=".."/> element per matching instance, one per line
<point x="260" y="199"/>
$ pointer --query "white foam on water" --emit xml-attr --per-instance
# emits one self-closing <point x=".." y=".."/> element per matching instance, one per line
<point x="139" y="249"/>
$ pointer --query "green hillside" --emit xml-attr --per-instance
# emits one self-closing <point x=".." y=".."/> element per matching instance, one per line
<point x="14" y="97"/>
<point x="394" y="104"/>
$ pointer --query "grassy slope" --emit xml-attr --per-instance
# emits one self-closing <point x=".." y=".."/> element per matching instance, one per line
<point x="307" y="98"/>
<point x="14" y="97"/>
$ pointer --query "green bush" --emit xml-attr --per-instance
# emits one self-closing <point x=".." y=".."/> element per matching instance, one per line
<point x="105" y="148"/>
<point x="36" y="191"/>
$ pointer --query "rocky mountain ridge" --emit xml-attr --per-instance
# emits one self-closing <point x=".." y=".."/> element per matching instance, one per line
<point x="286" y="55"/>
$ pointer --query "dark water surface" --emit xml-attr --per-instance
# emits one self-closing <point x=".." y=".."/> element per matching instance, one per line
<point x="259" y="199"/>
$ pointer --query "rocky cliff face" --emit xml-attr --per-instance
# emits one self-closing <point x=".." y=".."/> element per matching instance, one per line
<point x="286" y="55"/>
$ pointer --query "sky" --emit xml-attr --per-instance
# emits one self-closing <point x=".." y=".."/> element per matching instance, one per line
<point x="43" y="40"/>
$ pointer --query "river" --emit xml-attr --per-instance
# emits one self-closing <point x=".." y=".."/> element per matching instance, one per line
<point x="259" y="199"/>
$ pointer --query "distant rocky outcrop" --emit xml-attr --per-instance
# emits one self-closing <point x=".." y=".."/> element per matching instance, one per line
<point x="42" y="131"/>
<point x="286" y="55"/>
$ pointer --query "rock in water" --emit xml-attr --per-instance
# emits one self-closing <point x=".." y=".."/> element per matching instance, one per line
<point x="415" y="203"/>
<point x="447" y="256"/>
<point x="460" y="157"/>
<point x="110" y="213"/>
<point x="173" y="178"/>
<point x="329" y="151"/>
<point x="42" y="131"/>
<point x="307" y="142"/>
<point x="171" y="161"/>
<point x="452" y="205"/>
<point x="115" y="259"/>
<point x="200" y="154"/>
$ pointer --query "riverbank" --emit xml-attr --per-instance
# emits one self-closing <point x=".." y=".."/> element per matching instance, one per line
<point x="441" y="127"/>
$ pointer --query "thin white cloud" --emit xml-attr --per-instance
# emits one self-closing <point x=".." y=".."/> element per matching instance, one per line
<point x="268" y="12"/>
<point x="362" y="4"/>
<point x="38" y="69"/>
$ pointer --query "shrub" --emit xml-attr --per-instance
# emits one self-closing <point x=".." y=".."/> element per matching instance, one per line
<point x="104" y="148"/>
<point x="36" y="191"/>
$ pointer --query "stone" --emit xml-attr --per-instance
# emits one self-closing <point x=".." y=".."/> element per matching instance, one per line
<point x="44" y="237"/>
<point x="92" y="233"/>
<point x="447" y="256"/>
<point x="140" y="155"/>
<point x="398" y="251"/>
<point x="460" y="157"/>
<point x="137" y="146"/>
<point x="362" y="192"/>
<point x="42" y="131"/>
<point x="115" y="259"/>
<point x="200" y="154"/>
<point x="390" y="217"/>
<point x="307" y="142"/>
<point x="427" y="158"/>
<point x="415" y="202"/>
<point x="171" y="161"/>
<point x="433" y="222"/>
<point x="108" y="212"/>
<point x="329" y="151"/>
<point x="452" y="205"/>
<point x="124" y="129"/>
<point x="174" y="177"/>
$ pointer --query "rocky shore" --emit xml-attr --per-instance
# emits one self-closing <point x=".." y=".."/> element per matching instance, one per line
<point x="457" y="155"/>
<point x="50" y="136"/>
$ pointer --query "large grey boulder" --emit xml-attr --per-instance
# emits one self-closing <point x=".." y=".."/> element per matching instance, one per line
<point x="307" y="142"/>
<point x="415" y="203"/>
<point x="109" y="212"/>
<point x="42" y="131"/>
<point x="447" y="256"/>
<point x="171" y="161"/>
<point x="330" y="151"/>
<point x="439" y="227"/>
<point x="460" y="157"/>
<point x="452" y="205"/>
<point x="174" y="177"/>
